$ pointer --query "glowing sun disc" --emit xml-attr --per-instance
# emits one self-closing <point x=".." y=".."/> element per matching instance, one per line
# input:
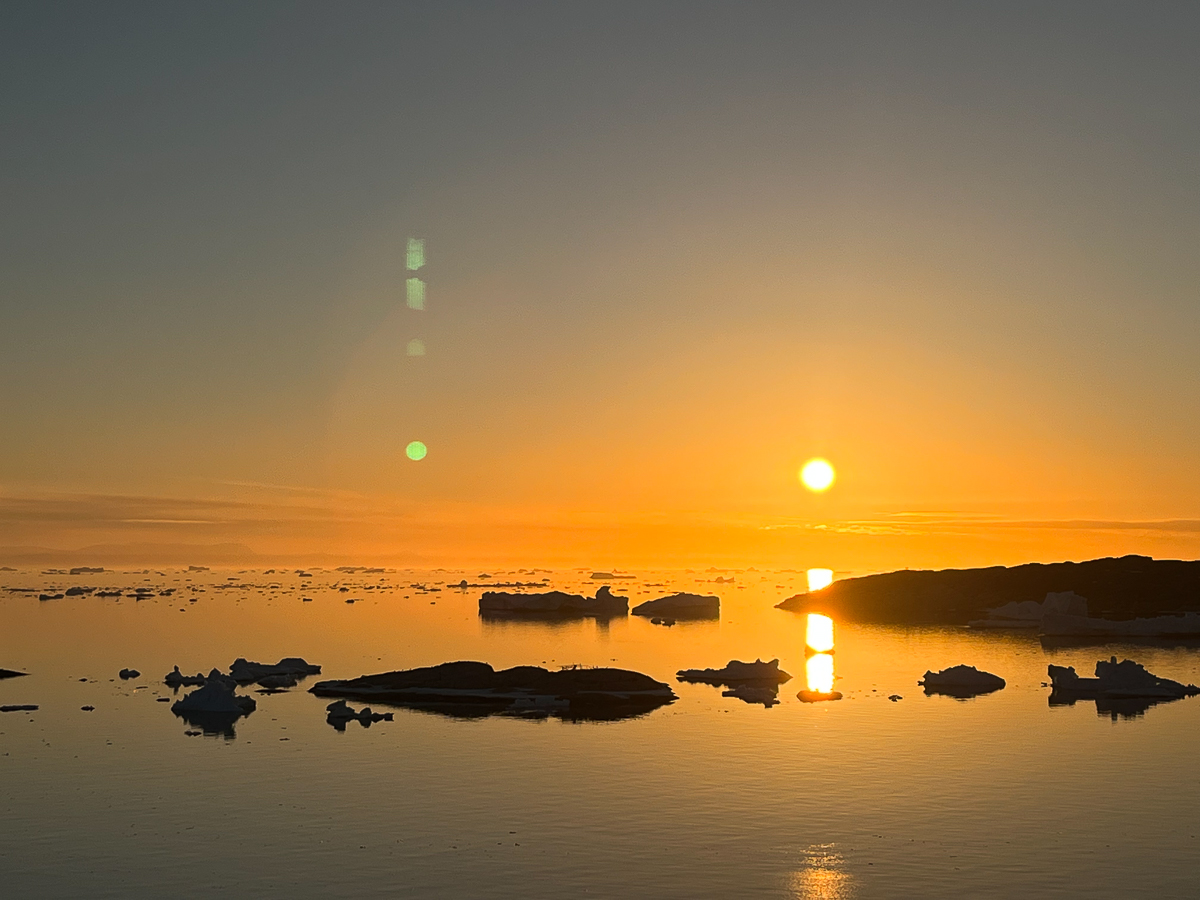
<point x="817" y="475"/>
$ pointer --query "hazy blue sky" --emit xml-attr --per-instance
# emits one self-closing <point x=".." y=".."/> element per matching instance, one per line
<point x="674" y="249"/>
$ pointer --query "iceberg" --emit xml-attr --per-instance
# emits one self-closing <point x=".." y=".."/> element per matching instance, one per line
<point x="553" y="603"/>
<point x="1030" y="613"/>
<point x="962" y="682"/>
<point x="244" y="672"/>
<point x="681" y="606"/>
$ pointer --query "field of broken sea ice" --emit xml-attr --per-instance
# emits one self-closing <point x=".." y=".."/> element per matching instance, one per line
<point x="106" y="792"/>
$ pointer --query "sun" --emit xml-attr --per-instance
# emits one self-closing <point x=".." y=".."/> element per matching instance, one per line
<point x="817" y="475"/>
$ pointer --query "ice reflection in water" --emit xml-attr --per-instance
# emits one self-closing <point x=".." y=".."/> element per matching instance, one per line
<point x="821" y="876"/>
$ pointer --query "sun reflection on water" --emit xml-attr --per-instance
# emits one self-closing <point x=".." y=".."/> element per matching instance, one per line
<point x="821" y="876"/>
<point x="819" y="633"/>
<point x="819" y="578"/>
<point x="818" y="671"/>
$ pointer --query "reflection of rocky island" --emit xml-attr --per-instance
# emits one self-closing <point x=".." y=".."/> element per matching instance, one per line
<point x="1122" y="688"/>
<point x="962" y="682"/>
<point x="553" y="604"/>
<point x="476" y="689"/>
<point x="681" y="606"/>
<point x="1123" y="588"/>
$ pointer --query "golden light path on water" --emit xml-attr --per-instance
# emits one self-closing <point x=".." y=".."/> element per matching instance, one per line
<point x="819" y="578"/>
<point x="818" y="672"/>
<point x="819" y="633"/>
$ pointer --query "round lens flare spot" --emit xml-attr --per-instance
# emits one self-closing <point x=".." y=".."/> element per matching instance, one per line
<point x="817" y="475"/>
<point x="416" y="451"/>
<point x="819" y="634"/>
<point x="819" y="578"/>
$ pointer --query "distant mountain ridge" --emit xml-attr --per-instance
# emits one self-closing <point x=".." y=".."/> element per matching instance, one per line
<point x="1116" y="587"/>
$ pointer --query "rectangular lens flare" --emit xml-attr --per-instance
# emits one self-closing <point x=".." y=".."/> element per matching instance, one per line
<point x="415" y="293"/>
<point x="415" y="257"/>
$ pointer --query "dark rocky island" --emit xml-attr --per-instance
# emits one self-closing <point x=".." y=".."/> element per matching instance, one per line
<point x="9" y="673"/>
<point x="472" y="689"/>
<point x="1124" y="587"/>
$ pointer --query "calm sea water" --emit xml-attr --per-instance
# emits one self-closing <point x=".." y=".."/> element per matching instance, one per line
<point x="1000" y="796"/>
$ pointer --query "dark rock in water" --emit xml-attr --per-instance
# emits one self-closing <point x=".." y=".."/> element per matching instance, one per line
<point x="894" y="697"/>
<point x="681" y="606"/>
<point x="77" y="591"/>
<point x="818" y="696"/>
<point x="476" y="689"/>
<point x="9" y="673"/>
<point x="962" y="682"/>
<point x="18" y="707"/>
<point x="737" y="672"/>
<point x="339" y="713"/>
<point x="126" y="674"/>
<point x="88" y="708"/>
<point x="658" y="621"/>
<point x="108" y="593"/>
<point x="553" y="604"/>
<point x="87" y="570"/>
<point x="50" y="596"/>
<point x="767" y="695"/>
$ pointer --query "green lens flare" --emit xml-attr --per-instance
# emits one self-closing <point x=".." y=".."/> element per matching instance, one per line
<point x="415" y="451"/>
<point x="416" y="253"/>
<point x="415" y="293"/>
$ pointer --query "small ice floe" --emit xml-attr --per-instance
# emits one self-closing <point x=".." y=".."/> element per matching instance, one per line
<point x="962" y="682"/>
<point x="126" y="674"/>
<point x="278" y="682"/>
<point x="245" y="672"/>
<point x="178" y="679"/>
<point x="736" y="672"/>
<point x="756" y="682"/>
<point x="681" y="606"/>
<point x="340" y="712"/>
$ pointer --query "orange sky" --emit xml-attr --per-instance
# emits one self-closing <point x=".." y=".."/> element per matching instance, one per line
<point x="668" y="260"/>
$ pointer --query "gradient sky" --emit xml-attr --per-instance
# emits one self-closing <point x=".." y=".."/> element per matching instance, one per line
<point x="674" y="250"/>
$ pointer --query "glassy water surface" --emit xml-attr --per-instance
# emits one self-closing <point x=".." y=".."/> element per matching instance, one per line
<point x="999" y="796"/>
